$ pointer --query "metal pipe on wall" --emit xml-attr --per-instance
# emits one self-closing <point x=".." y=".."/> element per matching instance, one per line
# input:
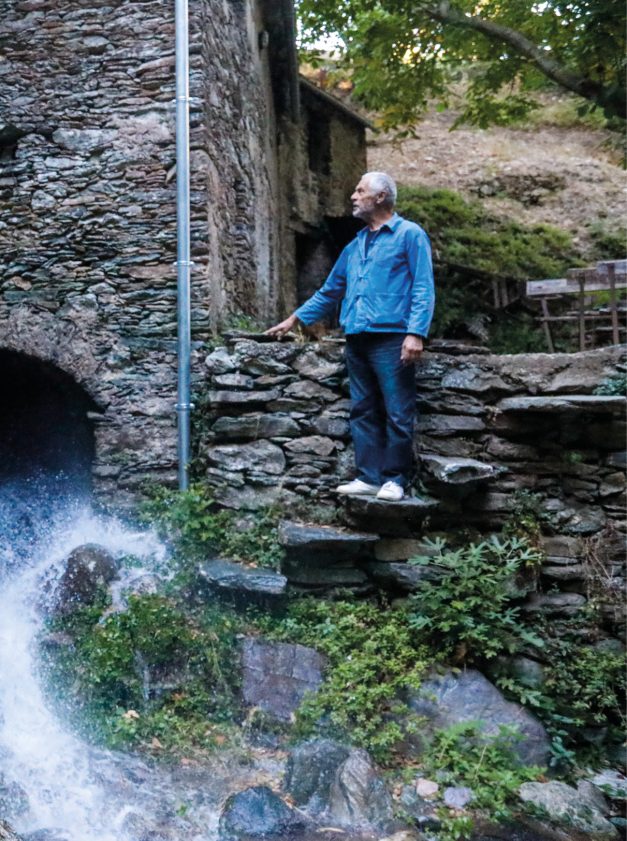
<point x="183" y="261"/>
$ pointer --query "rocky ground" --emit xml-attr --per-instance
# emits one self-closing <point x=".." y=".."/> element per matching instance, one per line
<point x="569" y="175"/>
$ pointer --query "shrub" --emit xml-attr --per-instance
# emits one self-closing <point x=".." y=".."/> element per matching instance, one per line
<point x="468" y="612"/>
<point x="373" y="654"/>
<point x="149" y="672"/>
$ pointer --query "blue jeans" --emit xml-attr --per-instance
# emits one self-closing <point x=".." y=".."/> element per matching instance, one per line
<point x="383" y="398"/>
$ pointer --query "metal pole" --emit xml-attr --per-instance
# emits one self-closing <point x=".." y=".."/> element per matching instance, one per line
<point x="183" y="261"/>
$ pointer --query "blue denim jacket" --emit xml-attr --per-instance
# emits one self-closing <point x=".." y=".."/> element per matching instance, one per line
<point x="389" y="290"/>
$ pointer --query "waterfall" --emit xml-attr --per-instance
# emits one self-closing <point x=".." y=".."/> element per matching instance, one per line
<point x="75" y="792"/>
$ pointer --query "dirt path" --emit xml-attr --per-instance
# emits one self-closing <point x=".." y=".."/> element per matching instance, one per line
<point x="568" y="177"/>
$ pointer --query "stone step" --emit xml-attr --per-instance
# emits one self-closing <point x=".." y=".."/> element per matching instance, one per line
<point x="451" y="471"/>
<point x="404" y="518"/>
<point x="304" y="539"/>
<point x="241" y="583"/>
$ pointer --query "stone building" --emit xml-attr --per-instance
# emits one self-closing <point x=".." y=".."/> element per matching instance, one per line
<point x="87" y="220"/>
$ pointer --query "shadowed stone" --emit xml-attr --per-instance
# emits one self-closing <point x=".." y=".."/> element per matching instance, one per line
<point x="259" y="813"/>
<point x="232" y="577"/>
<point x="89" y="569"/>
<point x="277" y="675"/>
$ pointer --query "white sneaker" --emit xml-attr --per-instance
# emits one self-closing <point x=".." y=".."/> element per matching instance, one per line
<point x="391" y="492"/>
<point x="358" y="487"/>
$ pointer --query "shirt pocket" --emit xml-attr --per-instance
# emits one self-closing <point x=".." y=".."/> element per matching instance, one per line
<point x="387" y="310"/>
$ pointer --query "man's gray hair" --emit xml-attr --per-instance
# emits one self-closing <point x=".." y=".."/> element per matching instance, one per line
<point x="381" y="182"/>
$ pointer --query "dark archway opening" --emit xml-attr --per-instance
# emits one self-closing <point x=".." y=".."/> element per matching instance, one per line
<point x="44" y="425"/>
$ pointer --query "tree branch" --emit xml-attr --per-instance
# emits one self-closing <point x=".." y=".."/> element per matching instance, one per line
<point x="587" y="88"/>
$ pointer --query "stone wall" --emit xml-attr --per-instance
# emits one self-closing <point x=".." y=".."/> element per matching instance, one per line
<point x="491" y="431"/>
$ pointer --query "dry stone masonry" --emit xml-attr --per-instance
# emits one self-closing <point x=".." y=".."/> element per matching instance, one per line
<point x="493" y="433"/>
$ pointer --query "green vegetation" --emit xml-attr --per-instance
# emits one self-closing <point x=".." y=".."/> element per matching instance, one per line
<point x="373" y="655"/>
<point x="472" y="249"/>
<point x="582" y="687"/>
<point x="467" y="613"/>
<point x="461" y="756"/>
<point x="196" y="529"/>
<point x="151" y="676"/>
<point x="403" y="55"/>
<point x="464" y="234"/>
<point x="614" y="386"/>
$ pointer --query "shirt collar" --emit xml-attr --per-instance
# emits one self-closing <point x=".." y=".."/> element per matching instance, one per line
<point x="392" y="224"/>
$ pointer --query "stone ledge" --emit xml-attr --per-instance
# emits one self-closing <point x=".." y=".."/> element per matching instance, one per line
<point x="598" y="403"/>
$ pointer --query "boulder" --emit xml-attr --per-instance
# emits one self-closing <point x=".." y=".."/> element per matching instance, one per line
<point x="565" y="805"/>
<point x="88" y="570"/>
<point x="358" y="797"/>
<point x="277" y="675"/>
<point x="6" y="833"/>
<point x="259" y="813"/>
<point x="338" y="785"/>
<point x="453" y="698"/>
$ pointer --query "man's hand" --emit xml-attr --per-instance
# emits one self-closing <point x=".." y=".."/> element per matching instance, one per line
<point x="412" y="349"/>
<point x="279" y="330"/>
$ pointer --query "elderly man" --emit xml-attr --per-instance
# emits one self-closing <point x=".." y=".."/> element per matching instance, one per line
<point x="384" y="280"/>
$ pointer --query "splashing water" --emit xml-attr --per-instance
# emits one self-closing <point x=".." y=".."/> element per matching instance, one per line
<point x="57" y="771"/>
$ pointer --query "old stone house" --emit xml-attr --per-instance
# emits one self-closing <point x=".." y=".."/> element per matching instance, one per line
<point x="87" y="220"/>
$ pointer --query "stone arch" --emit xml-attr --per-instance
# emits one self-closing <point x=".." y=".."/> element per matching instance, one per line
<point x="45" y="424"/>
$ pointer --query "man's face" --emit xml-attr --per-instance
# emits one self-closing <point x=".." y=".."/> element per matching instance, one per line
<point x="364" y="200"/>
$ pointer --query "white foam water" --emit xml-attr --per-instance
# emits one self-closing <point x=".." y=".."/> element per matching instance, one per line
<point x="37" y="753"/>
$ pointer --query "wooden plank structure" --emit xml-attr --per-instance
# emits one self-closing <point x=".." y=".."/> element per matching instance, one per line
<point x="606" y="276"/>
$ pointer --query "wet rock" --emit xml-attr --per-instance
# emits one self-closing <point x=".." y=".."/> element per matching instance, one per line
<point x="259" y="813"/>
<point x="563" y="803"/>
<point x="452" y="698"/>
<point x="338" y="785"/>
<point x="46" y="835"/>
<point x="277" y="675"/>
<point x="7" y="834"/>
<point x="88" y="570"/>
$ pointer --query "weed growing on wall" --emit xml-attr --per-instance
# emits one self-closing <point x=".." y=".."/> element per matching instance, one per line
<point x="373" y="655"/>
<point x="196" y="529"/>
<point x="467" y="612"/>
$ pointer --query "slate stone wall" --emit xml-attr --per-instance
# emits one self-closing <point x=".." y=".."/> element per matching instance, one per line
<point x="491" y="430"/>
<point x="88" y="213"/>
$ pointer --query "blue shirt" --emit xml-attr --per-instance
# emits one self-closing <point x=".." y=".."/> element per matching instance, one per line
<point x="389" y="289"/>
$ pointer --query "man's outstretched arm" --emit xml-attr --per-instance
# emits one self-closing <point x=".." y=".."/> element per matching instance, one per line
<point x="322" y="303"/>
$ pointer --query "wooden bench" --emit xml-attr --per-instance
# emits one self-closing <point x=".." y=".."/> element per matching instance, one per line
<point x="606" y="276"/>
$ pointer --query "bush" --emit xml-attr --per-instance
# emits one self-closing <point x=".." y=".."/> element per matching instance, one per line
<point x="467" y="613"/>
<point x="149" y="672"/>
<point x="373" y="655"/>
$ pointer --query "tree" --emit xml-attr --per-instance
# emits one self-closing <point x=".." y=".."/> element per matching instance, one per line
<point x="406" y="53"/>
